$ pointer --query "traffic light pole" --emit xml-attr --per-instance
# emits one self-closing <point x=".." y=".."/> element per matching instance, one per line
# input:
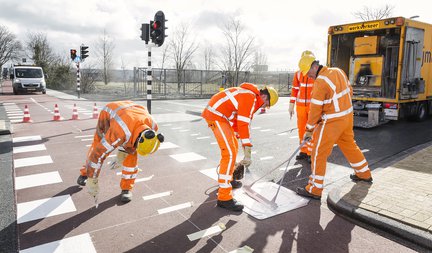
<point x="149" y="79"/>
<point x="78" y="80"/>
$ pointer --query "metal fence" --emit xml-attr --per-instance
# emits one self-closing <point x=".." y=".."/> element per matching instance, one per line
<point x="168" y="83"/>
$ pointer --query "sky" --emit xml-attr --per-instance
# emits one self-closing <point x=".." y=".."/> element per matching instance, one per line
<point x="282" y="28"/>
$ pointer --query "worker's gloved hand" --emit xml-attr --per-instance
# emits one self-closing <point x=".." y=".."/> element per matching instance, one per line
<point x="291" y="109"/>
<point x="92" y="186"/>
<point x="247" y="159"/>
<point x="307" y="136"/>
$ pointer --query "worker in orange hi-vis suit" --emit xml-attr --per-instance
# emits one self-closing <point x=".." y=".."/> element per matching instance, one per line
<point x="129" y="127"/>
<point x="229" y="114"/>
<point x="301" y="96"/>
<point x="330" y="122"/>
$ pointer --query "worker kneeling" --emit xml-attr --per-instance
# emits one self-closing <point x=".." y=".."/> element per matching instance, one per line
<point x="126" y="126"/>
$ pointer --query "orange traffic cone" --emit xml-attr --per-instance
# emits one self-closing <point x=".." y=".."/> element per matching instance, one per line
<point x="95" y="112"/>
<point x="57" y="116"/>
<point x="74" y="113"/>
<point x="26" y="118"/>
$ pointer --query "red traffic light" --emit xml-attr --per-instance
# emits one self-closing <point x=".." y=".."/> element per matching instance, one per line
<point x="156" y="25"/>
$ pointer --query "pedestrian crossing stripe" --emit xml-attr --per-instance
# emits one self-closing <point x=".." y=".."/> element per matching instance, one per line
<point x="26" y="138"/>
<point x="32" y="161"/>
<point x="70" y="244"/>
<point x="30" y="148"/>
<point x="37" y="180"/>
<point x="175" y="208"/>
<point x="211" y="173"/>
<point x="43" y="208"/>
<point x="158" y="195"/>
<point x="207" y="232"/>
<point x="266" y="158"/>
<point x="187" y="157"/>
<point x="167" y="145"/>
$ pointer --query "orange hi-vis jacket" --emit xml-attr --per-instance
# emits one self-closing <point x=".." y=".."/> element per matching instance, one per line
<point x="119" y="125"/>
<point x="237" y="106"/>
<point x="331" y="98"/>
<point x="301" y="89"/>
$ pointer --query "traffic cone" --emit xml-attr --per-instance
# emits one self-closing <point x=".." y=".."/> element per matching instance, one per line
<point x="95" y="112"/>
<point x="57" y="116"/>
<point x="26" y="118"/>
<point x="74" y="113"/>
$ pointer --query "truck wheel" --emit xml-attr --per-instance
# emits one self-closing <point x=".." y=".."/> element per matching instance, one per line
<point x="44" y="92"/>
<point x="421" y="112"/>
<point x="15" y="91"/>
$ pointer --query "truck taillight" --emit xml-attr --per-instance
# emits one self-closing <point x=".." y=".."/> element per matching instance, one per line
<point x="390" y="106"/>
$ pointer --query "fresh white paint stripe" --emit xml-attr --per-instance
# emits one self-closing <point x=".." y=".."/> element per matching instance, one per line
<point x="15" y="114"/>
<point x="266" y="130"/>
<point x="283" y="134"/>
<point x="175" y="208"/>
<point x="27" y="138"/>
<point x="211" y="173"/>
<point x="166" y="125"/>
<point x="203" y="137"/>
<point x="42" y="208"/>
<point x="175" y="128"/>
<point x="158" y="195"/>
<point x="30" y="148"/>
<point x="244" y="249"/>
<point x="143" y="179"/>
<point x="15" y="117"/>
<point x="195" y="134"/>
<point x="207" y="232"/>
<point x="167" y="145"/>
<point x="253" y="128"/>
<point x="16" y="120"/>
<point x="84" y="136"/>
<point x="187" y="157"/>
<point x="293" y="137"/>
<point x="31" y="161"/>
<point x="184" y="130"/>
<point x="88" y="145"/>
<point x="67" y="245"/>
<point x="37" y="180"/>
<point x="266" y="158"/>
<point x="89" y="139"/>
<point x="213" y="143"/>
<point x="364" y="150"/>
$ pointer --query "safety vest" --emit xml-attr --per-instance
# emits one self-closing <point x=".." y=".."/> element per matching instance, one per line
<point x="235" y="105"/>
<point x="331" y="98"/>
<point x="119" y="124"/>
<point x="301" y="89"/>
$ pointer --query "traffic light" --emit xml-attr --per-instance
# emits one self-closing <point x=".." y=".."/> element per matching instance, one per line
<point x="84" y="52"/>
<point x="73" y="54"/>
<point x="145" y="32"/>
<point x="157" y="28"/>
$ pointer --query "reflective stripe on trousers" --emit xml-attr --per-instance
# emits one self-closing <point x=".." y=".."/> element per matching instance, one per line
<point x="228" y="145"/>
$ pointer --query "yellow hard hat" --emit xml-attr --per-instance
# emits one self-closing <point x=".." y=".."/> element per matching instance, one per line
<point x="274" y="96"/>
<point x="305" y="62"/>
<point x="148" y="142"/>
<point x="306" y="52"/>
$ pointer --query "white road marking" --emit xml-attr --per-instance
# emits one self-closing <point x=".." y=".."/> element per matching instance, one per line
<point x="266" y="158"/>
<point x="15" y="117"/>
<point x="89" y="139"/>
<point x="29" y="148"/>
<point x="213" y="143"/>
<point x="158" y="195"/>
<point x="195" y="134"/>
<point x="84" y="136"/>
<point x="88" y="145"/>
<point x="187" y="157"/>
<point x="26" y="138"/>
<point x="175" y="128"/>
<point x="43" y="208"/>
<point x="37" y="180"/>
<point x="167" y="145"/>
<point x="184" y="130"/>
<point x="266" y="130"/>
<point x="203" y="137"/>
<point x="16" y="120"/>
<point x="70" y="244"/>
<point x="253" y="128"/>
<point x="244" y="249"/>
<point x="283" y="134"/>
<point x="175" y="208"/>
<point x="294" y="137"/>
<point x="364" y="150"/>
<point x="207" y="232"/>
<point x="31" y="161"/>
<point x="211" y="173"/>
<point x="143" y="179"/>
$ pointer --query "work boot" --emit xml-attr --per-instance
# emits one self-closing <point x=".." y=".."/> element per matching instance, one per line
<point x="302" y="192"/>
<point x="236" y="184"/>
<point x="82" y="180"/>
<point x="356" y="179"/>
<point x="231" y="205"/>
<point x="126" y="196"/>
<point x="301" y="156"/>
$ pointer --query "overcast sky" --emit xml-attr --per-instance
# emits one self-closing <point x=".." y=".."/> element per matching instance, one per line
<point x="282" y="28"/>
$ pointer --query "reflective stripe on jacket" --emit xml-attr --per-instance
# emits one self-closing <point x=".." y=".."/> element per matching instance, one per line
<point x="301" y="89"/>
<point x="331" y="98"/>
<point x="237" y="106"/>
<point x="119" y="124"/>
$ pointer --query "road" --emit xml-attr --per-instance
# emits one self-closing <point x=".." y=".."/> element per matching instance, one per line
<point x="174" y="196"/>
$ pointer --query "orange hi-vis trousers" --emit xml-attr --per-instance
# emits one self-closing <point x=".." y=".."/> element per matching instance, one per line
<point x="228" y="145"/>
<point x="129" y="171"/>
<point x="327" y="134"/>
<point x="302" y="118"/>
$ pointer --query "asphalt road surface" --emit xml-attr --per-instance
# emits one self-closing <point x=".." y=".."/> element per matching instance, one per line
<point x="174" y="201"/>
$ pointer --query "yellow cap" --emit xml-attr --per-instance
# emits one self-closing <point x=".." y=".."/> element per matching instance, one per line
<point x="274" y="96"/>
<point x="305" y="62"/>
<point x="148" y="143"/>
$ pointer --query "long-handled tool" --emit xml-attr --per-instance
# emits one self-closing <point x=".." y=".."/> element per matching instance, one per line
<point x="261" y="199"/>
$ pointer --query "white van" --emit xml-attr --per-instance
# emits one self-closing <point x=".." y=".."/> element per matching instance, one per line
<point x="27" y="78"/>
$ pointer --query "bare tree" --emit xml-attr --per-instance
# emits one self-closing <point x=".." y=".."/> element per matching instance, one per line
<point x="238" y="49"/>
<point x="209" y="56"/>
<point x="369" y="13"/>
<point x="259" y="65"/>
<point x="89" y="76"/>
<point x="104" y="51"/>
<point x="40" y="51"/>
<point x="182" y="48"/>
<point x="9" y="46"/>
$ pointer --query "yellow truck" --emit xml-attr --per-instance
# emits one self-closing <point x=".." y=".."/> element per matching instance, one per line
<point x="388" y="63"/>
